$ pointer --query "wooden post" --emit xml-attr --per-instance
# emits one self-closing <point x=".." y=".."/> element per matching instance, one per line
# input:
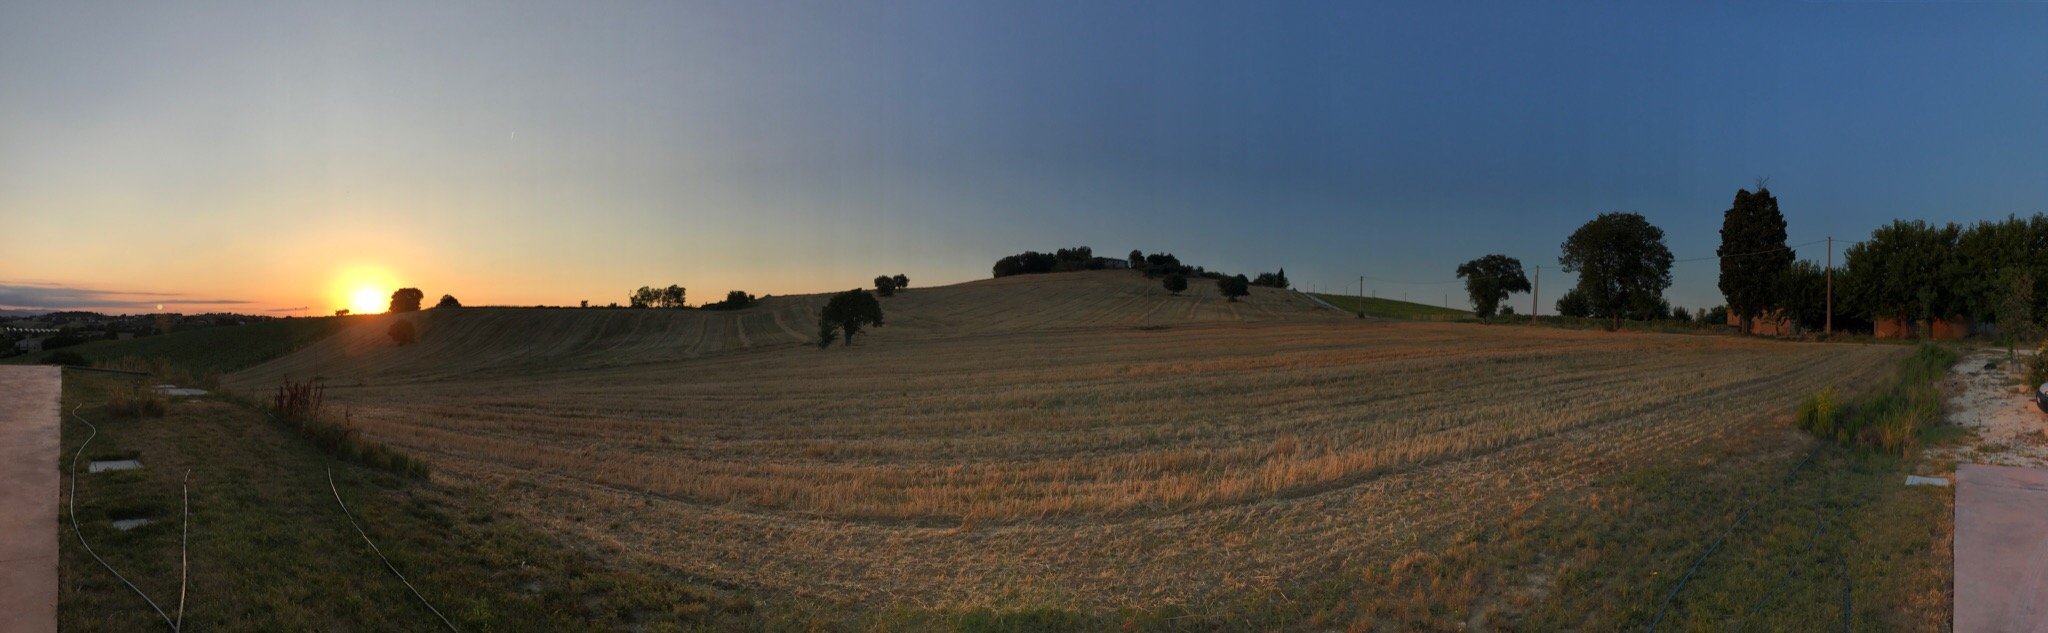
<point x="1534" y="292"/>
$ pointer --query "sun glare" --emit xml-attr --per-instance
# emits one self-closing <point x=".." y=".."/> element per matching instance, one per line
<point x="363" y="290"/>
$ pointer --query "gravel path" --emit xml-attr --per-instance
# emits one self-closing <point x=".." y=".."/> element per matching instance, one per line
<point x="28" y="500"/>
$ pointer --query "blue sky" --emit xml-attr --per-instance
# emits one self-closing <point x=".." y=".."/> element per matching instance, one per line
<point x="547" y="153"/>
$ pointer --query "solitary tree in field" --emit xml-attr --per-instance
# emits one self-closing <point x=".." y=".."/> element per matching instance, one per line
<point x="1175" y="283"/>
<point x="885" y="286"/>
<point x="448" y="301"/>
<point x="402" y="332"/>
<point x="850" y="311"/>
<point x="1753" y="254"/>
<point x="1622" y="264"/>
<point x="407" y="300"/>
<point x="827" y="333"/>
<point x="1490" y="279"/>
<point x="902" y="281"/>
<point x="1234" y="287"/>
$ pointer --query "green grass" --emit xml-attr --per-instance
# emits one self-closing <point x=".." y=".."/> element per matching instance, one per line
<point x="1896" y="416"/>
<point x="1393" y="309"/>
<point x="271" y="551"/>
<point x="216" y="350"/>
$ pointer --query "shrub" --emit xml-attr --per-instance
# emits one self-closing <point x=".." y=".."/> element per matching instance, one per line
<point x="1892" y="418"/>
<point x="885" y="286"/>
<point x="448" y="301"/>
<point x="140" y="401"/>
<point x="301" y="407"/>
<point x="1817" y="414"/>
<point x="2037" y="368"/>
<point x="1175" y="283"/>
<point x="403" y="333"/>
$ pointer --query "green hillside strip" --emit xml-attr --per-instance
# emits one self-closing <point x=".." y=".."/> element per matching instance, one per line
<point x="211" y="350"/>
<point x="1393" y="309"/>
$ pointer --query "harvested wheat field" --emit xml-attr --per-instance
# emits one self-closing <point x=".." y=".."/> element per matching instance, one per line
<point x="1071" y="440"/>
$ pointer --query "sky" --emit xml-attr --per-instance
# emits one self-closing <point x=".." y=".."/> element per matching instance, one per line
<point x="278" y="157"/>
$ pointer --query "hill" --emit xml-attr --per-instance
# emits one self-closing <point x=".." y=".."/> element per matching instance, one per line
<point x="1393" y="309"/>
<point x="514" y="341"/>
<point x="216" y="350"/>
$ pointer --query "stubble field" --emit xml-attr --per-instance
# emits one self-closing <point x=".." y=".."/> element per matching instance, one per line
<point x="1067" y="442"/>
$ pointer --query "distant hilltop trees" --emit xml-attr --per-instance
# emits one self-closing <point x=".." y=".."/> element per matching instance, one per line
<point x="407" y="300"/>
<point x="1155" y="265"/>
<point x="651" y="297"/>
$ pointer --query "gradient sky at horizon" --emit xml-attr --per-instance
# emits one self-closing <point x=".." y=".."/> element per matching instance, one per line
<point x="248" y="154"/>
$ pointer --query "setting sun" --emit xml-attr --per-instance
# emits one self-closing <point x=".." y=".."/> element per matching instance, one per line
<point x="363" y="289"/>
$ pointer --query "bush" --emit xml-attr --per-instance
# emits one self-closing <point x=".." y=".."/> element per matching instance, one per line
<point x="403" y="333"/>
<point x="1893" y="417"/>
<point x="885" y="286"/>
<point x="301" y="406"/>
<point x="1175" y="283"/>
<point x="2037" y="368"/>
<point x="1817" y="414"/>
<point x="448" y="301"/>
<point x="138" y="402"/>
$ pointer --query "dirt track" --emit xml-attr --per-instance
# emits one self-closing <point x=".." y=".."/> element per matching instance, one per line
<point x="28" y="502"/>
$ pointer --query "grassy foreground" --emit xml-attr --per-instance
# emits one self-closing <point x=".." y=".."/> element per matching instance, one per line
<point x="1393" y="308"/>
<point x="270" y="550"/>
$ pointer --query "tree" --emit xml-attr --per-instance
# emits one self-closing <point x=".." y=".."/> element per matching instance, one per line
<point x="1234" y="287"/>
<point x="1573" y="304"/>
<point x="1272" y="280"/>
<point x="407" y="300"/>
<point x="885" y="286"/>
<point x="1175" y="283"/>
<point x="2016" y="312"/>
<point x="1622" y="263"/>
<point x="734" y="300"/>
<point x="1904" y="271"/>
<point x="827" y="333"/>
<point x="642" y="298"/>
<point x="1753" y="254"/>
<point x="1680" y="314"/>
<point x="1802" y="294"/>
<point x="902" y="281"/>
<point x="672" y="297"/>
<point x="402" y="332"/>
<point x="850" y="311"/>
<point x="1137" y="259"/>
<point x="1490" y="279"/>
<point x="448" y="301"/>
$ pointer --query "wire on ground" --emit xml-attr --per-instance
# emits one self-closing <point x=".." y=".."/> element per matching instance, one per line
<point x="380" y="553"/>
<point x="1665" y="608"/>
<point x="174" y="624"/>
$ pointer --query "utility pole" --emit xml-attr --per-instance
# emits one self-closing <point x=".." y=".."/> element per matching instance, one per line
<point x="1831" y="287"/>
<point x="1534" y="292"/>
<point x="1361" y="296"/>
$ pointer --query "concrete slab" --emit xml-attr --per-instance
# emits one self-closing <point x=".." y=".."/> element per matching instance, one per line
<point x="28" y="497"/>
<point x="2001" y="549"/>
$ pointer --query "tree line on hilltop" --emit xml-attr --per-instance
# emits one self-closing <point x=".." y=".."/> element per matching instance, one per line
<point x="1907" y="271"/>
